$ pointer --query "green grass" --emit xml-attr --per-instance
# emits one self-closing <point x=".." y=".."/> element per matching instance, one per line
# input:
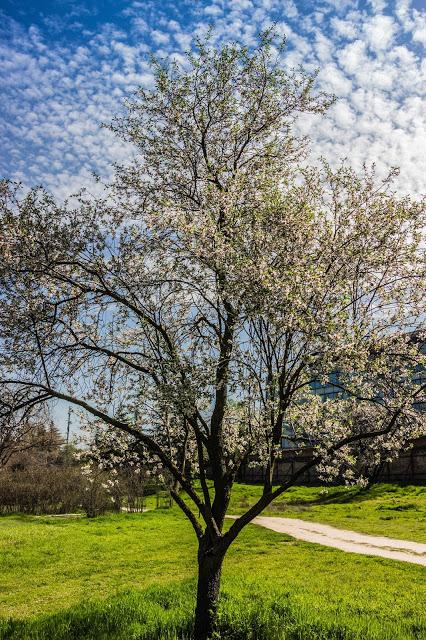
<point x="166" y="613"/>
<point x="133" y="576"/>
<point x="392" y="510"/>
<point x="49" y="563"/>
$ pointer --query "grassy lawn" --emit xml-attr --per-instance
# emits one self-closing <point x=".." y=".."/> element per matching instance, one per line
<point x="383" y="509"/>
<point x="133" y="576"/>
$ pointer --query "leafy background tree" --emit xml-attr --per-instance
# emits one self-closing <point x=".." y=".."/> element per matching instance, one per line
<point x="193" y="307"/>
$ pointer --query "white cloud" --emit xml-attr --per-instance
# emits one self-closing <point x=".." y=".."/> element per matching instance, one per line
<point x="55" y="98"/>
<point x="352" y="57"/>
<point x="212" y="10"/>
<point x="339" y="5"/>
<point x="323" y="47"/>
<point x="402" y="11"/>
<point x="343" y="114"/>
<point x="345" y="28"/>
<point x="419" y="28"/>
<point x="160" y="37"/>
<point x="380" y="31"/>
<point x="140" y="25"/>
<point x="378" y="5"/>
<point x="184" y="40"/>
<point x="334" y="81"/>
<point x="289" y="9"/>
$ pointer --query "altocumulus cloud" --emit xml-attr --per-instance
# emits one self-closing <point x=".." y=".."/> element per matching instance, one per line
<point x="63" y="75"/>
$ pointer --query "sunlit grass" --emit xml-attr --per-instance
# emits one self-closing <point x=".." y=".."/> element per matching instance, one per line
<point x="381" y="509"/>
<point x="133" y="576"/>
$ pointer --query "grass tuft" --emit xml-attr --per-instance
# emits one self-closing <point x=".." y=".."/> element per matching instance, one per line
<point x="165" y="613"/>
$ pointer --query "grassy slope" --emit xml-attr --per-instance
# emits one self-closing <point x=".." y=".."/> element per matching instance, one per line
<point x="383" y="509"/>
<point x="49" y="564"/>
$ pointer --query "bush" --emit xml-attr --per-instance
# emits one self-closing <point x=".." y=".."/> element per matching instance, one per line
<point x="46" y="477"/>
<point x="41" y="490"/>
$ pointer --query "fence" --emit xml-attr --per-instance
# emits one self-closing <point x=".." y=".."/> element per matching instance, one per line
<point x="409" y="467"/>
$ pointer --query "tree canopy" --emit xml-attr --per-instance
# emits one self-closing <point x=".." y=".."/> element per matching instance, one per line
<point x="193" y="307"/>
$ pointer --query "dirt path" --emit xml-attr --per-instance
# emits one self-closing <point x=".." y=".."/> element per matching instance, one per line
<point x="346" y="540"/>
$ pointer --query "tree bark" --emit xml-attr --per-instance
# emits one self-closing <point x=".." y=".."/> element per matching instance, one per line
<point x="210" y="559"/>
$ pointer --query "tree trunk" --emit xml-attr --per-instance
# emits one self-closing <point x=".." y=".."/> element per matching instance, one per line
<point x="210" y="559"/>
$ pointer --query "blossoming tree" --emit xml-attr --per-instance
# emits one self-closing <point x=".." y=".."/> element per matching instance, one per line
<point x="193" y="307"/>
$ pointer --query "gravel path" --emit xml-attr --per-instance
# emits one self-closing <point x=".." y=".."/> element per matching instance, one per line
<point x="346" y="540"/>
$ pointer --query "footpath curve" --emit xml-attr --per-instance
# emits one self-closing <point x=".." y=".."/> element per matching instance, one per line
<point x="350" y="541"/>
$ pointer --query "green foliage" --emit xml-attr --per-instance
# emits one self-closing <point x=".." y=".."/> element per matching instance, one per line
<point x="124" y="577"/>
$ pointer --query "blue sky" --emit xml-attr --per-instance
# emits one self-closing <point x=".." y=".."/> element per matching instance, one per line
<point x="65" y="67"/>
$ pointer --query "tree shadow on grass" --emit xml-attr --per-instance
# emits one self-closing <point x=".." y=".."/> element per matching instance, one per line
<point x="352" y="495"/>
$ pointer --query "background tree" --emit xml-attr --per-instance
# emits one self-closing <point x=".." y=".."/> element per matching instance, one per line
<point x="194" y="306"/>
<point x="22" y="425"/>
<point x="38" y="476"/>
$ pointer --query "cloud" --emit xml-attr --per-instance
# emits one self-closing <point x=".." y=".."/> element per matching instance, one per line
<point x="160" y="37"/>
<point x="379" y="32"/>
<point x="347" y="29"/>
<point x="378" y="5"/>
<point x="212" y="10"/>
<point x="57" y="93"/>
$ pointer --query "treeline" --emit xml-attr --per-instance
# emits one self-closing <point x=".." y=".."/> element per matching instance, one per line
<point x="46" y="477"/>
